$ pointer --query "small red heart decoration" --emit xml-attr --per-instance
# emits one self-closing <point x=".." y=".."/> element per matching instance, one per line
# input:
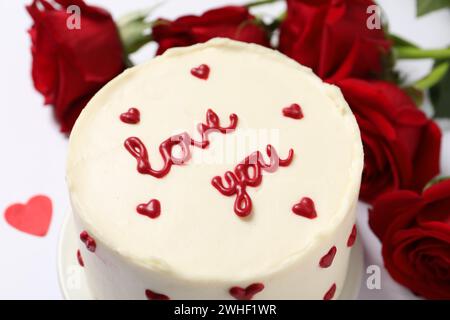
<point x="327" y="259"/>
<point x="352" y="237"/>
<point x="33" y="218"/>
<point x="90" y="243"/>
<point x="152" y="209"/>
<point x="305" y="208"/>
<point x="293" y="111"/>
<point x="247" y="293"/>
<point x="132" y="116"/>
<point x="330" y="293"/>
<point x="80" y="258"/>
<point x="155" y="296"/>
<point x="201" y="72"/>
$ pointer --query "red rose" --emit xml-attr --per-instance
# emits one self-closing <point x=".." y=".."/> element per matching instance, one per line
<point x="232" y="22"/>
<point x="401" y="145"/>
<point x="332" y="38"/>
<point x="71" y="65"/>
<point x="415" y="234"/>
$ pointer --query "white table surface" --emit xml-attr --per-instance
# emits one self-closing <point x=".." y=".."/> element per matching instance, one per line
<point x="33" y="152"/>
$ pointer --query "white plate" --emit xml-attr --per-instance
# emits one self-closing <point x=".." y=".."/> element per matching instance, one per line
<point x="74" y="287"/>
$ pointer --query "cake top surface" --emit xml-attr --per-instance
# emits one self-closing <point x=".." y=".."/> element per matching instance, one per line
<point x="167" y="214"/>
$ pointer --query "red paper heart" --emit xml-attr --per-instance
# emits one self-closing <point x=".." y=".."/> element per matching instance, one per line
<point x="327" y="259"/>
<point x="152" y="209"/>
<point x="155" y="296"/>
<point x="293" y="111"/>
<point x="132" y="116"/>
<point x="247" y="293"/>
<point x="201" y="72"/>
<point x="305" y="208"/>
<point x="33" y="218"/>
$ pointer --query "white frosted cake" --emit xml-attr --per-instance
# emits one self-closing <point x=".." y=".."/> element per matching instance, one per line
<point x="219" y="171"/>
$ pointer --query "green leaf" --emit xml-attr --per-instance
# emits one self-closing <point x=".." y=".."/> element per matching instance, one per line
<point x="134" y="30"/>
<point x="138" y="15"/>
<point x="438" y="72"/>
<point x="436" y="180"/>
<point x="134" y="35"/>
<point x="440" y="96"/>
<point x="260" y="3"/>
<point x="417" y="53"/>
<point x="427" y="6"/>
<point x="401" y="42"/>
<point x="415" y="94"/>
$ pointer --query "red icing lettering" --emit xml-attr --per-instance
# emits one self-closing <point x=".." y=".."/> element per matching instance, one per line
<point x="327" y="259"/>
<point x="138" y="150"/>
<point x="248" y="293"/>
<point x="248" y="173"/>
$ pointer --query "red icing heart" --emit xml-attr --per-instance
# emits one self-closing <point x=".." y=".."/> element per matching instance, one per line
<point x="293" y="111"/>
<point x="305" y="208"/>
<point x="247" y="293"/>
<point x="132" y="116"/>
<point x="80" y="258"/>
<point x="201" y="72"/>
<point x="327" y="259"/>
<point x="330" y="293"/>
<point x="152" y="209"/>
<point x="33" y="218"/>
<point x="352" y="237"/>
<point x="90" y="243"/>
<point x="155" y="296"/>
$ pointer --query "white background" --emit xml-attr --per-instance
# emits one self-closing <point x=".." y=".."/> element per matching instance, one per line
<point x="33" y="152"/>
